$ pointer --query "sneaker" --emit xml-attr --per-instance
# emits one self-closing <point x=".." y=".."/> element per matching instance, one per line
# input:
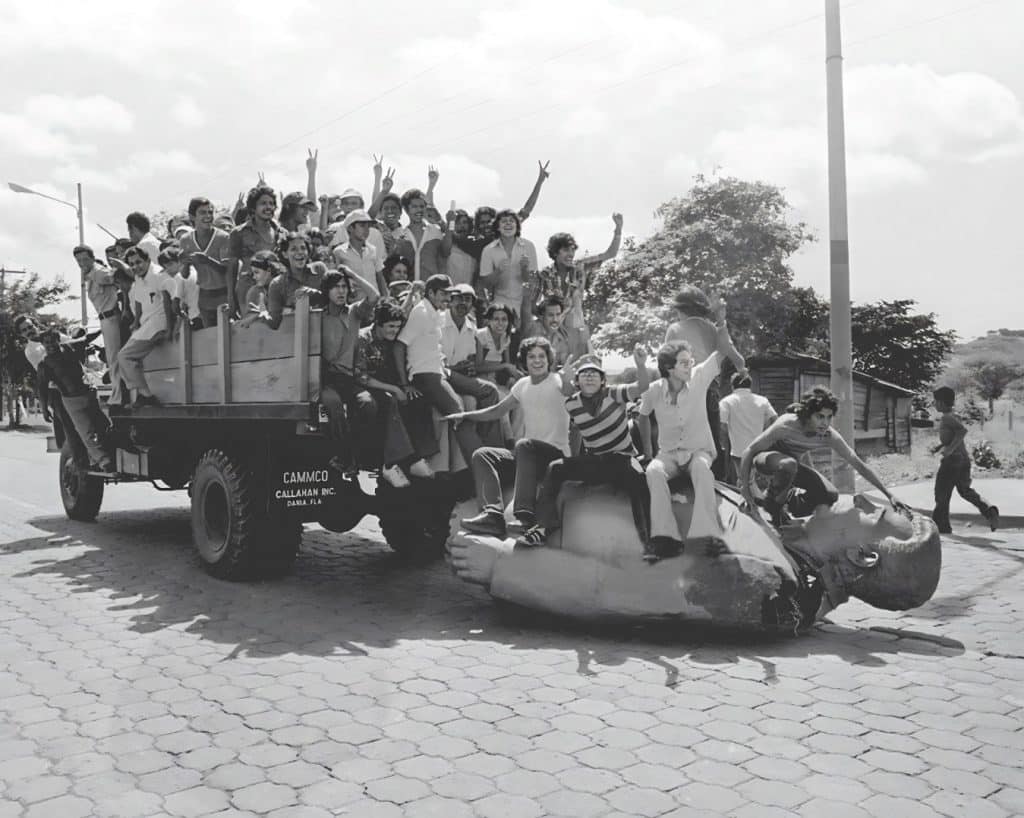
<point x="347" y="470"/>
<point x="661" y="548"/>
<point x="420" y="469"/>
<point x="487" y="522"/>
<point x="993" y="517"/>
<point x="533" y="537"/>
<point x="395" y="477"/>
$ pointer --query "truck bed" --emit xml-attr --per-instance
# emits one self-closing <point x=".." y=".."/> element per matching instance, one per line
<point x="247" y="367"/>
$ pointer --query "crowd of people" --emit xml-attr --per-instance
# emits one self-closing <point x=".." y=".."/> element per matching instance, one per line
<point x="449" y="323"/>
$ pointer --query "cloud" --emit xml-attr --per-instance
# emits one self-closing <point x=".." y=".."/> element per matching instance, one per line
<point x="138" y="166"/>
<point x="92" y="113"/>
<point x="24" y="138"/>
<point x="187" y="113"/>
<point x="568" y="84"/>
<point x="915" y="111"/>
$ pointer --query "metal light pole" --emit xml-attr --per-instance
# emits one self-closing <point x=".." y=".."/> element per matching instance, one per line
<point x="841" y="343"/>
<point x="81" y="229"/>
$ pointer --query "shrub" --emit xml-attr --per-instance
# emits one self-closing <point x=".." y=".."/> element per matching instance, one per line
<point x="984" y="457"/>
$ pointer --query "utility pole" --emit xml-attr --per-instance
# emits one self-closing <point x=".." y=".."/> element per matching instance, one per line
<point x="840" y="335"/>
<point x="81" y="240"/>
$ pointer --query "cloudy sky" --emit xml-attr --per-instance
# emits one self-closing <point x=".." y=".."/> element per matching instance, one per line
<point x="149" y="103"/>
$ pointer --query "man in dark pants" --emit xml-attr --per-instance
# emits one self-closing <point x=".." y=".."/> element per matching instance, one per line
<point x="418" y="357"/>
<point x="955" y="466"/>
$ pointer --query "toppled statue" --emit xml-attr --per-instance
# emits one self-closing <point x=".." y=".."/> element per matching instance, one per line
<point x="593" y="568"/>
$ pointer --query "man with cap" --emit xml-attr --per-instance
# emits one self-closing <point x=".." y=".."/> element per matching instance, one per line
<point x="599" y="413"/>
<point x="697" y="324"/>
<point x="420" y="361"/>
<point x="459" y="347"/>
<point x="356" y="253"/>
<point x="295" y="210"/>
<point x="103" y="294"/>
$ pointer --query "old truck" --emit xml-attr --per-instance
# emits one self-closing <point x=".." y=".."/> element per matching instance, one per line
<point x="240" y="428"/>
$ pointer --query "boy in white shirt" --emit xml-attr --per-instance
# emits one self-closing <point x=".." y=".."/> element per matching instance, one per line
<point x="546" y="438"/>
<point x="150" y="297"/>
<point x="186" y="289"/>
<point x="678" y="401"/>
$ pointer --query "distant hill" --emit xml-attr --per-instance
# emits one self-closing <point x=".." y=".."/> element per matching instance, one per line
<point x="1002" y="343"/>
<point x="997" y="343"/>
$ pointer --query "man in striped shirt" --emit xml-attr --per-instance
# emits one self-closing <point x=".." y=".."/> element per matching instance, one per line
<point x="598" y="411"/>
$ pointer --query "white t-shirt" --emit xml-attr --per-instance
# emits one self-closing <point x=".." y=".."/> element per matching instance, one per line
<point x="187" y="291"/>
<point x="422" y="338"/>
<point x="148" y="291"/>
<point x="746" y="415"/>
<point x="544" y="415"/>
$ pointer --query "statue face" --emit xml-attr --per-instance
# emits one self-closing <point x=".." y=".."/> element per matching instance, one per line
<point x="870" y="552"/>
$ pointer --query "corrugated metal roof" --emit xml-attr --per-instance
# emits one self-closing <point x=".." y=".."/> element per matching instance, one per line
<point x="805" y="361"/>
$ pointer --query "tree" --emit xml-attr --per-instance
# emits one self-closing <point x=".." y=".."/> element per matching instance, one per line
<point x="28" y="297"/>
<point x="992" y="377"/>
<point x="725" y="236"/>
<point x="893" y="344"/>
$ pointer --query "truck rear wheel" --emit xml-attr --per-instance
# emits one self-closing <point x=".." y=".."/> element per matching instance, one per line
<point x="415" y="520"/>
<point x="81" y="493"/>
<point x="233" y="535"/>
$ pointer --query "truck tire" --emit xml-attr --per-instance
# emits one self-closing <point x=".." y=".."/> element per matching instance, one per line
<point x="415" y="520"/>
<point x="81" y="493"/>
<point x="233" y="535"/>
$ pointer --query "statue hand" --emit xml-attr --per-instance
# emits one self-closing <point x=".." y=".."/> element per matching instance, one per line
<point x="474" y="561"/>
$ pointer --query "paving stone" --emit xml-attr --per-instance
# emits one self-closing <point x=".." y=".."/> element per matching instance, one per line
<point x="64" y="806"/>
<point x="196" y="801"/>
<point x="169" y="780"/>
<point x="464" y="786"/>
<point x="235" y="776"/>
<point x="502" y="805"/>
<point x="263" y="797"/>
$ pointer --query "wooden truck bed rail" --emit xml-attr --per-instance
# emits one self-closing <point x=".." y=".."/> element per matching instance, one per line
<point x="229" y="364"/>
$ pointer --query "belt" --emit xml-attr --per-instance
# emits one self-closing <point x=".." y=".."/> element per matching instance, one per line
<point x="218" y="291"/>
<point x="110" y="313"/>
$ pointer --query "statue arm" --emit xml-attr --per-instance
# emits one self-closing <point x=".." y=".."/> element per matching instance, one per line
<point x="563" y="583"/>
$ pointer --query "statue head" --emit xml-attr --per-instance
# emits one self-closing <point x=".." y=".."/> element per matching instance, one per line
<point x="874" y="553"/>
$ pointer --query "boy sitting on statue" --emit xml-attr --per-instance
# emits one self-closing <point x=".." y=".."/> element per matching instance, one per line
<point x="598" y="411"/>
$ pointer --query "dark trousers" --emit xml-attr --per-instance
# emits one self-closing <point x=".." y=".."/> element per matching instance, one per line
<point x="955" y="475"/>
<point x="440" y="394"/>
<point x="620" y="470"/>
<point x="529" y="462"/>
<point x="371" y="433"/>
<point x="789" y="473"/>
<point x="720" y="468"/>
<point x="485" y="394"/>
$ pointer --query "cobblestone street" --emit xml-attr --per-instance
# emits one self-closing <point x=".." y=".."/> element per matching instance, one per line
<point x="132" y="684"/>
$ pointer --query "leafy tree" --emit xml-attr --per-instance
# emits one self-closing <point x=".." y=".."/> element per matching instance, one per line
<point x="992" y="377"/>
<point x="894" y="344"/>
<point x="725" y="236"/>
<point x="25" y="296"/>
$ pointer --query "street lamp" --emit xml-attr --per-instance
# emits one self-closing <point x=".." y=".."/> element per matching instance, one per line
<point x="81" y="228"/>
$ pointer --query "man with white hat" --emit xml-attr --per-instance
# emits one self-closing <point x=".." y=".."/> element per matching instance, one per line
<point x="355" y="253"/>
<point x="350" y="200"/>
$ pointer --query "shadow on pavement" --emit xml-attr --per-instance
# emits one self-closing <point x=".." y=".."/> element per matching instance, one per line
<point x="349" y="593"/>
